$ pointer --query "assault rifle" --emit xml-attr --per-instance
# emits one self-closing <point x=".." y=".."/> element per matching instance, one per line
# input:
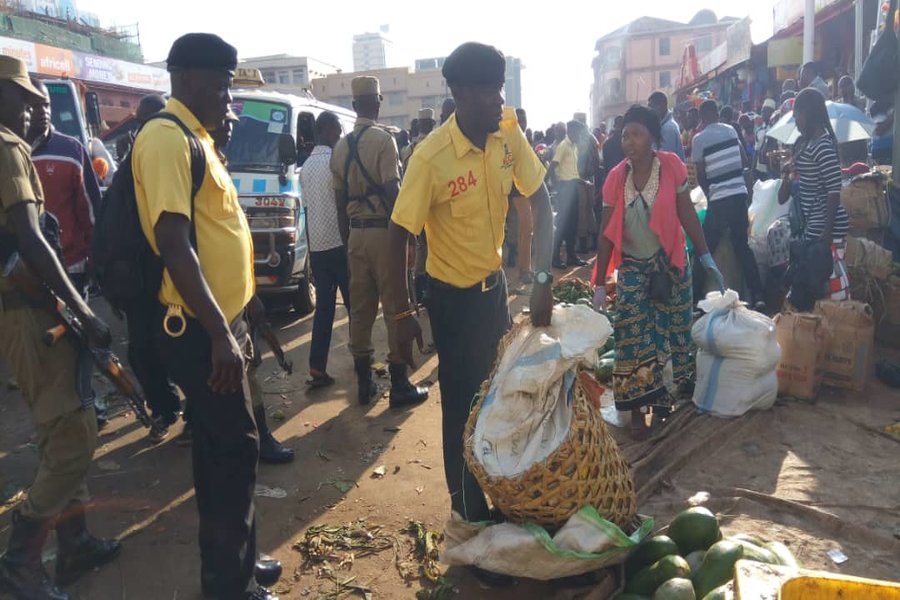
<point x="38" y="295"/>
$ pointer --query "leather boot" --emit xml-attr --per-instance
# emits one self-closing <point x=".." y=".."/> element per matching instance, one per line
<point x="368" y="390"/>
<point x="79" y="551"/>
<point x="403" y="392"/>
<point x="22" y="574"/>
<point x="270" y="450"/>
<point x="267" y="573"/>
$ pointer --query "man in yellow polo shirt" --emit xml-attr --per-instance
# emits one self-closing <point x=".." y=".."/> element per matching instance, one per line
<point x="207" y="251"/>
<point x="457" y="188"/>
<point x="564" y="171"/>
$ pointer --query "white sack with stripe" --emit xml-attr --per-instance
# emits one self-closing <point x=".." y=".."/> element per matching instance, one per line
<point x="736" y="358"/>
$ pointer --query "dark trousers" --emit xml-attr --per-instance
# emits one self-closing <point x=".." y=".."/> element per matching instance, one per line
<point x="467" y="325"/>
<point x="143" y="356"/>
<point x="225" y="452"/>
<point x="330" y="274"/>
<point x="730" y="213"/>
<point x="566" y="218"/>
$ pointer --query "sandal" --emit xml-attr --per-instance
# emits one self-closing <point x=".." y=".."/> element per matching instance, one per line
<point x="319" y="380"/>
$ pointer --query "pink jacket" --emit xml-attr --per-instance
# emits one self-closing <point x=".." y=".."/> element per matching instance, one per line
<point x="664" y="220"/>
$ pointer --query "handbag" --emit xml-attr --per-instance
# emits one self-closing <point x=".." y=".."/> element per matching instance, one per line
<point x="879" y="76"/>
<point x="659" y="284"/>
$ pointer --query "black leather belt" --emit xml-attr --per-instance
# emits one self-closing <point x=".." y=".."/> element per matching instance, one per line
<point x="368" y="223"/>
<point x="485" y="285"/>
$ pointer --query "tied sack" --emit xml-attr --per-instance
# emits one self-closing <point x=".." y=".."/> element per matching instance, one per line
<point x="849" y="353"/>
<point x="737" y="356"/>
<point x="865" y="202"/>
<point x="866" y="257"/>
<point x="802" y="338"/>
<point x="527" y="412"/>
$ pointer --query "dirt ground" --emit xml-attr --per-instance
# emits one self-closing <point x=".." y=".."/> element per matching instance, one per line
<point x="815" y="476"/>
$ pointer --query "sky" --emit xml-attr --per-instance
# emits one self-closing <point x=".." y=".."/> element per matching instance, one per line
<point x="555" y="40"/>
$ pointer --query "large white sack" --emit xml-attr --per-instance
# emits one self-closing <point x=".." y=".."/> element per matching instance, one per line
<point x="731" y="330"/>
<point x="526" y="413"/>
<point x="765" y="210"/>
<point x="729" y="387"/>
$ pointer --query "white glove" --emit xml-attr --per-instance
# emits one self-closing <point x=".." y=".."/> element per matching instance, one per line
<point x="600" y="299"/>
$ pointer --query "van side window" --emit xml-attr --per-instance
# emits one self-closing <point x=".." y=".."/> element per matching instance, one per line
<point x="306" y="136"/>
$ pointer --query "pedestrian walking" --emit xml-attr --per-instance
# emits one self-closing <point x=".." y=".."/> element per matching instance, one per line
<point x="457" y="188"/>
<point x="327" y="252"/>
<point x="720" y="161"/>
<point x="670" y="137"/>
<point x="366" y="170"/>
<point x="567" y="182"/>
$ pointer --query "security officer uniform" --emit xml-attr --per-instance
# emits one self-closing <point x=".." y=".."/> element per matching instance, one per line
<point x="363" y="163"/>
<point x="64" y="419"/>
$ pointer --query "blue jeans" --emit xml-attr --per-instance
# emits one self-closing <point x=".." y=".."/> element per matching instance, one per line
<point x="330" y="273"/>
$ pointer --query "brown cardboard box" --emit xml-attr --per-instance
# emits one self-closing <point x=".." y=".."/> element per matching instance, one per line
<point x="850" y="351"/>
<point x="803" y="338"/>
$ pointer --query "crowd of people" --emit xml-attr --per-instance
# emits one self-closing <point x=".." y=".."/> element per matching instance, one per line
<point x="399" y="220"/>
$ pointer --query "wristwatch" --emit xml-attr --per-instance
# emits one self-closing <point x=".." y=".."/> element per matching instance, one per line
<point x="543" y="278"/>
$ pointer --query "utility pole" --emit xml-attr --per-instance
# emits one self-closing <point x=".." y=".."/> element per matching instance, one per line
<point x="809" y="31"/>
<point x="896" y="151"/>
<point x="858" y="38"/>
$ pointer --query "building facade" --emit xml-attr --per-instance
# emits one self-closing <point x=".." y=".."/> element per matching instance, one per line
<point x="372" y="50"/>
<point x="405" y="91"/>
<point x="289" y="74"/>
<point x="646" y="55"/>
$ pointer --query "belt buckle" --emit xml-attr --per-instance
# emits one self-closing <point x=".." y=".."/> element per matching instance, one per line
<point x="485" y="287"/>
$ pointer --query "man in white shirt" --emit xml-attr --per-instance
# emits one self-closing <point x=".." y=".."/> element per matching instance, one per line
<point x="327" y="253"/>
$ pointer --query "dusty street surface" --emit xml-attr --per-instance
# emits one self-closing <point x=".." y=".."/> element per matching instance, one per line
<point x="816" y="476"/>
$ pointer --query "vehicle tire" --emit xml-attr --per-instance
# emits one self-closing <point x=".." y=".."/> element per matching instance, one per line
<point x="304" y="299"/>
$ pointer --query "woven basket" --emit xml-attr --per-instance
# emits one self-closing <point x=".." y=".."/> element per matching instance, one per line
<point x="586" y="469"/>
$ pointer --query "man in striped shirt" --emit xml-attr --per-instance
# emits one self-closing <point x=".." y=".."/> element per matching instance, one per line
<point x="720" y="161"/>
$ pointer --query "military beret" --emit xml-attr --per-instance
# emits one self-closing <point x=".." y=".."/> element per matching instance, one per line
<point x="426" y="113"/>
<point x="365" y="85"/>
<point x="474" y="64"/>
<point x="202" y="51"/>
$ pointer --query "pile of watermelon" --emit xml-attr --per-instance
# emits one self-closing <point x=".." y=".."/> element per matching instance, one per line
<point x="693" y="561"/>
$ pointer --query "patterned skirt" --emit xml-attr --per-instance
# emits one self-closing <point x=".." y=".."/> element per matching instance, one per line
<point x="649" y="334"/>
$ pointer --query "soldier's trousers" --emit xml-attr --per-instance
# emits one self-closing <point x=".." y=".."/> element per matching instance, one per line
<point x="370" y="267"/>
<point x="66" y="431"/>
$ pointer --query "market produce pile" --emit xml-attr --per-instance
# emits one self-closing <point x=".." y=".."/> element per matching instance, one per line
<point x="693" y="561"/>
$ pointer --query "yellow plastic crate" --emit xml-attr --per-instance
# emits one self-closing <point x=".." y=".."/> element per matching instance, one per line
<point x="838" y="587"/>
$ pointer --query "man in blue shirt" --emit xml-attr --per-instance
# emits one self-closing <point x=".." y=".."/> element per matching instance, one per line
<point x="671" y="133"/>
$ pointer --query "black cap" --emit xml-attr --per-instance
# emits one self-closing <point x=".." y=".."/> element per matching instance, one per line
<point x="474" y="64"/>
<point x="202" y="51"/>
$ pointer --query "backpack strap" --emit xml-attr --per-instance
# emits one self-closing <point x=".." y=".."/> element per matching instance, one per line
<point x="372" y="189"/>
<point x="198" y="165"/>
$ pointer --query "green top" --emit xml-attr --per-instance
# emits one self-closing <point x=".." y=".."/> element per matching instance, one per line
<point x="638" y="240"/>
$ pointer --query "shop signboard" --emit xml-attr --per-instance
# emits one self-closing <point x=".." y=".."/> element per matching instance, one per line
<point x="59" y="62"/>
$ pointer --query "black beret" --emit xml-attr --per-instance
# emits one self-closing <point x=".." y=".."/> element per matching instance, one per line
<point x="202" y="51"/>
<point x="474" y="64"/>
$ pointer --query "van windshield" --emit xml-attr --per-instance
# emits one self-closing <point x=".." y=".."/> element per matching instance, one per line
<point x="254" y="144"/>
<point x="65" y="114"/>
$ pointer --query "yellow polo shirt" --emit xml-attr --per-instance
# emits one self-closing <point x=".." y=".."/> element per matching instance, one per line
<point x="161" y="161"/>
<point x="460" y="195"/>
<point x="566" y="158"/>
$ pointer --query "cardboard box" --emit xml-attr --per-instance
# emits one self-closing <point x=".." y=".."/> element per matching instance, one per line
<point x="803" y="338"/>
<point x="849" y="354"/>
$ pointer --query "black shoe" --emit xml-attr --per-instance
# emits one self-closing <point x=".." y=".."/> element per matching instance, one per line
<point x="491" y="579"/>
<point x="160" y="429"/>
<point x="558" y="264"/>
<point x="576" y="262"/>
<point x="403" y="392"/>
<point x="79" y="551"/>
<point x="270" y="450"/>
<point x="22" y="574"/>
<point x="368" y="390"/>
<point x="267" y="571"/>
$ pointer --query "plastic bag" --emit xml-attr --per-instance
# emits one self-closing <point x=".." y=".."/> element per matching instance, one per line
<point x="765" y="210"/>
<point x="586" y="543"/>
<point x="737" y="358"/>
<point x="526" y="413"/>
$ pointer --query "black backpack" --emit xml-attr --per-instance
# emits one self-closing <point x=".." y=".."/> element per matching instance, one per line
<point x="125" y="266"/>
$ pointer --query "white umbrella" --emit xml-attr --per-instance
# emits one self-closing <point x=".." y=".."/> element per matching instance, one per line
<point x="850" y="124"/>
